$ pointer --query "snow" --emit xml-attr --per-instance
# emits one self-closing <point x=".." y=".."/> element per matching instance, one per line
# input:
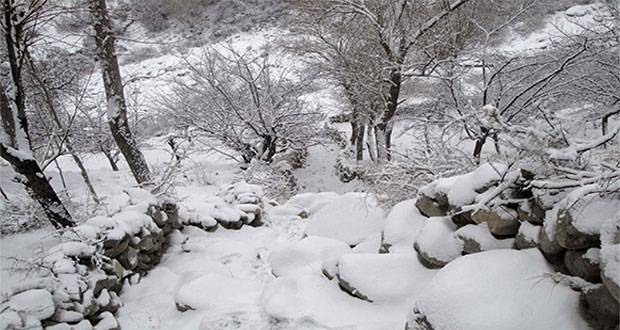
<point x="437" y="239"/>
<point x="385" y="277"/>
<point x="593" y="255"/>
<point x="461" y="189"/>
<point x="312" y="202"/>
<point x="349" y="218"/>
<point x="305" y="256"/>
<point x="211" y="291"/>
<point x="529" y="231"/>
<point x="370" y="244"/>
<point x="37" y="304"/>
<point x="499" y="289"/>
<point x="313" y="302"/>
<point x="402" y="226"/>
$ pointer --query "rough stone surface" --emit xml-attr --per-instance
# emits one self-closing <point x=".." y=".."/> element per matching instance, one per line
<point x="569" y="237"/>
<point x="603" y="310"/>
<point x="578" y="265"/>
<point x="432" y="207"/>
<point x="552" y="251"/>
<point x="498" y="225"/>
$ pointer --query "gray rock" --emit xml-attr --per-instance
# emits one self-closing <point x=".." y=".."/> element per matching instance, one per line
<point x="522" y="242"/>
<point x="346" y="287"/>
<point x="532" y="211"/>
<point x="569" y="237"/>
<point x="427" y="260"/>
<point x="433" y="206"/>
<point x="613" y="288"/>
<point x="129" y="258"/>
<point x="603" y="310"/>
<point x="112" y="248"/>
<point x="506" y="225"/>
<point x="552" y="251"/>
<point x="578" y="265"/>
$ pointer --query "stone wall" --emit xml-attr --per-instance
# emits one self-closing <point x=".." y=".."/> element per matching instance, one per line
<point x="76" y="285"/>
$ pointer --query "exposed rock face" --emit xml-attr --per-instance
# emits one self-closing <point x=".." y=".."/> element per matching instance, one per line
<point x="436" y="206"/>
<point x="569" y="237"/>
<point x="532" y="211"/>
<point x="602" y="308"/>
<point x="552" y="251"/>
<point x="578" y="264"/>
<point x="500" y="222"/>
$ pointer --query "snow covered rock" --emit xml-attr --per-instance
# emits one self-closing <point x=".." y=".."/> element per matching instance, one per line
<point x="583" y="264"/>
<point x="527" y="236"/>
<point x="501" y="221"/>
<point x="370" y="244"/>
<point x="552" y="251"/>
<point x="532" y="211"/>
<point x="213" y="290"/>
<point x="312" y="202"/>
<point x="610" y="255"/>
<point x="402" y="225"/>
<point x="306" y="256"/>
<point x="477" y="238"/>
<point x="499" y="289"/>
<point x="435" y="206"/>
<point x="454" y="192"/>
<point x="382" y="277"/>
<point x="36" y="304"/>
<point x="349" y="218"/>
<point x="436" y="244"/>
<point x="580" y="218"/>
<point x="602" y="308"/>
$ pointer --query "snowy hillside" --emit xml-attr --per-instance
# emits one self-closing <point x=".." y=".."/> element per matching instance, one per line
<point x="365" y="165"/>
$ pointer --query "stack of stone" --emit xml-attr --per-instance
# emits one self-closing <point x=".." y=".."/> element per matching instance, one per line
<point x="565" y="226"/>
<point x="78" y="281"/>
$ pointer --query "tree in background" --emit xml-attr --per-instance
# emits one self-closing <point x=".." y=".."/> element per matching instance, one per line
<point x="115" y="95"/>
<point x="19" y="21"/>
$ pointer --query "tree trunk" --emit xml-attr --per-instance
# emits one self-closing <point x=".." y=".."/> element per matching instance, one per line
<point x="115" y="96"/>
<point x="15" y="145"/>
<point x="482" y="139"/>
<point x="370" y="143"/>
<point x="359" y="143"/>
<point x="110" y="159"/>
<point x="381" y="143"/>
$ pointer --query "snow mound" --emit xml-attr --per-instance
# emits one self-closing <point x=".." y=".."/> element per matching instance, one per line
<point x="384" y="277"/>
<point x="306" y="256"/>
<point x="499" y="289"/>
<point x="477" y="238"/>
<point x="212" y="291"/>
<point x="312" y="202"/>
<point x="463" y="189"/>
<point x="370" y="244"/>
<point x="402" y="226"/>
<point x="436" y="243"/>
<point x="37" y="304"/>
<point x="316" y="301"/>
<point x="349" y="218"/>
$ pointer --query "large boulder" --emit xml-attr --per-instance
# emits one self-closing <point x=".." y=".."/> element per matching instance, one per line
<point x="435" y="206"/>
<point x="501" y="221"/>
<point x="498" y="289"/>
<point x="349" y="218"/>
<point x="402" y="225"/>
<point x="601" y="307"/>
<point x="436" y="244"/>
<point x="552" y="251"/>
<point x="382" y="277"/>
<point x="610" y="255"/>
<point x="580" y="218"/>
<point x="305" y="256"/>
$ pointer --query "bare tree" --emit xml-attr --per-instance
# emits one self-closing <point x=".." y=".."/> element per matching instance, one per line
<point x="117" y="107"/>
<point x="247" y="103"/>
<point x="19" y="21"/>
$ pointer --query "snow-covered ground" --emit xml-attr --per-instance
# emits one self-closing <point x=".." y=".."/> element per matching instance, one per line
<point x="271" y="277"/>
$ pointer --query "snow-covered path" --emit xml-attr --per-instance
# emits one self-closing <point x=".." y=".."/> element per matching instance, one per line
<point x="225" y="281"/>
